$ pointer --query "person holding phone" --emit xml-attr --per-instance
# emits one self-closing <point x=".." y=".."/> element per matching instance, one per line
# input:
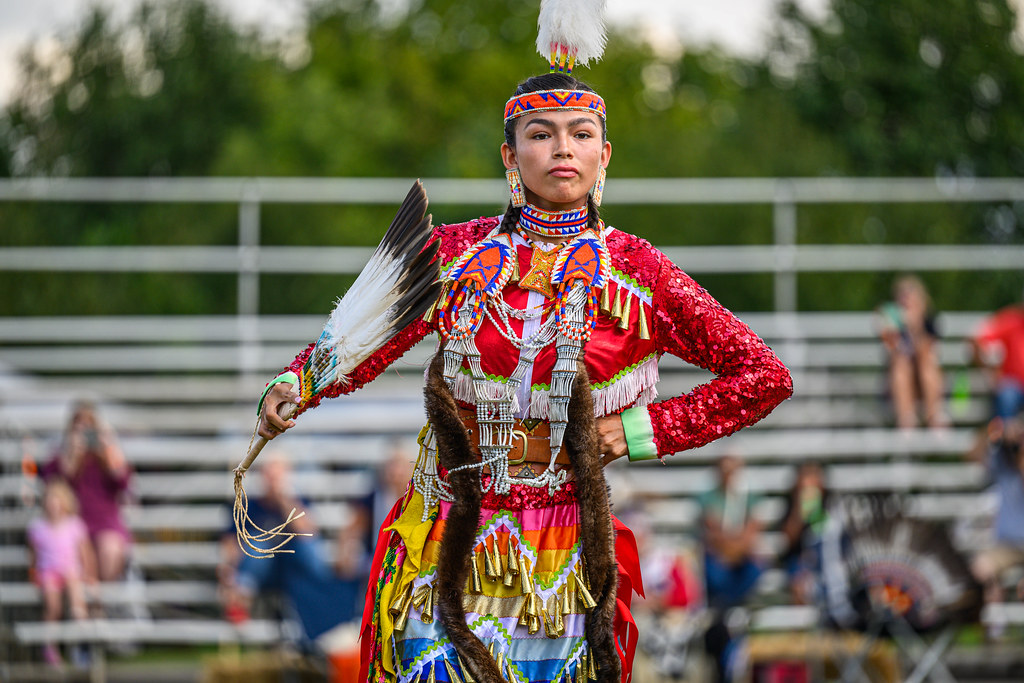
<point x="91" y="461"/>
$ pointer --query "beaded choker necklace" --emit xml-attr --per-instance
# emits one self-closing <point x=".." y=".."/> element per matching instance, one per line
<point x="553" y="223"/>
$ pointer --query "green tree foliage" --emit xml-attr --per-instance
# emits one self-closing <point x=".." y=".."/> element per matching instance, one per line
<point x="911" y="87"/>
<point x="154" y="96"/>
<point x="876" y="89"/>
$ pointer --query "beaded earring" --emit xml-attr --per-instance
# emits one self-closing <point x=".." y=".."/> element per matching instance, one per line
<point x="598" y="187"/>
<point x="515" y="187"/>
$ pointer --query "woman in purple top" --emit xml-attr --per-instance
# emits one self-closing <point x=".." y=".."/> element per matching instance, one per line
<point x="91" y="461"/>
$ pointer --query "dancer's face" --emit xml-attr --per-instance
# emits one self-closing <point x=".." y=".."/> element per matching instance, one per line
<point x="558" y="154"/>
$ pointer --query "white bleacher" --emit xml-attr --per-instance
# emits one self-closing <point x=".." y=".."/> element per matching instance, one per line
<point x="181" y="394"/>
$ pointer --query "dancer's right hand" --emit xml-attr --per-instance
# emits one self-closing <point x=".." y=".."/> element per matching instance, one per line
<point x="271" y="423"/>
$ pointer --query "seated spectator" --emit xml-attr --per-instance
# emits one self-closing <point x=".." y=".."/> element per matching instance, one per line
<point x="91" y="461"/>
<point x="60" y="558"/>
<point x="802" y="527"/>
<point x="730" y="534"/>
<point x="1000" y="450"/>
<point x="998" y="345"/>
<point x="731" y="570"/>
<point x="909" y="332"/>
<point x="302" y="575"/>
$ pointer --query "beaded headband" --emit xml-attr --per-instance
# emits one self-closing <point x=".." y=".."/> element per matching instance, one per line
<point x="548" y="100"/>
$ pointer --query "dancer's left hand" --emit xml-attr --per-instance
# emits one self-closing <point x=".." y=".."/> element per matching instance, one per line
<point x="611" y="438"/>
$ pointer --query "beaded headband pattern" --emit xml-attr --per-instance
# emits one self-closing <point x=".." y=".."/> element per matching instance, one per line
<point x="548" y="100"/>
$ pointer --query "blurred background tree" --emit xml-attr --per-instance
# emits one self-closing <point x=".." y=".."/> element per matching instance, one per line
<point x="910" y="88"/>
<point x="874" y="88"/>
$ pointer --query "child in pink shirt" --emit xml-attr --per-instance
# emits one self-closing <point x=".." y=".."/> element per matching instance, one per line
<point x="61" y="557"/>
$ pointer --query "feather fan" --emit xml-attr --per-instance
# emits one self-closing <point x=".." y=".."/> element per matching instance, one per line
<point x="905" y="568"/>
<point x="396" y="286"/>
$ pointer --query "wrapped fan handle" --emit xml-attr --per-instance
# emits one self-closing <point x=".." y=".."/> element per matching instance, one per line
<point x="259" y="442"/>
<point x="254" y="543"/>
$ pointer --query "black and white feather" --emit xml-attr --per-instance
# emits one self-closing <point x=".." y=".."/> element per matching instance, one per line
<point x="396" y="286"/>
<point x="399" y="283"/>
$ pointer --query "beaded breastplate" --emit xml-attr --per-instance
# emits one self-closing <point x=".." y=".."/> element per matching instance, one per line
<point x="574" y="275"/>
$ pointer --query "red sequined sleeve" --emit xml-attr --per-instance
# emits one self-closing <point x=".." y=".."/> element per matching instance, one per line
<point x="369" y="369"/>
<point x="750" y="382"/>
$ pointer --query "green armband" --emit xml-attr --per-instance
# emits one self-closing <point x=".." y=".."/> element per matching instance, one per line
<point x="636" y="423"/>
<point x="289" y="377"/>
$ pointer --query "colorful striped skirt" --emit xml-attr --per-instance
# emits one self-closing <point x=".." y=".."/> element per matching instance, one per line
<point x="526" y="599"/>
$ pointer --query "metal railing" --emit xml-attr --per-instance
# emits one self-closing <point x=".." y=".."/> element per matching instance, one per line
<point x="784" y="257"/>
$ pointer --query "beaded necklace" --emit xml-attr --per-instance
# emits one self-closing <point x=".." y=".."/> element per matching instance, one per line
<point x="568" y="223"/>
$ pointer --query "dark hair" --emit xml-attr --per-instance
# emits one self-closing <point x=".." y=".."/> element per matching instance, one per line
<point x="548" y="81"/>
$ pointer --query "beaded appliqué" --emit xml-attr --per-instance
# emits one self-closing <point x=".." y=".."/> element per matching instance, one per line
<point x="538" y="278"/>
<point x="481" y="273"/>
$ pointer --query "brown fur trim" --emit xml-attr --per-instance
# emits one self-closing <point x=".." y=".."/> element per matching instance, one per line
<point x="596" y="529"/>
<point x="456" y="548"/>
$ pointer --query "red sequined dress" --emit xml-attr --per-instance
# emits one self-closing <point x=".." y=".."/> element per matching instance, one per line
<point x="649" y="308"/>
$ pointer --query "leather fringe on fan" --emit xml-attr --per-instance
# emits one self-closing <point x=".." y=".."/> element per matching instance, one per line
<point x="596" y="529"/>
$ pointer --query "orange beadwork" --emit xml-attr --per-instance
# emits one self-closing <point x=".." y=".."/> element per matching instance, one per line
<point x="548" y="100"/>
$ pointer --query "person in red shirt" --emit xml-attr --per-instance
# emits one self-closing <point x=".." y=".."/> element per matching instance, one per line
<point x="999" y="345"/>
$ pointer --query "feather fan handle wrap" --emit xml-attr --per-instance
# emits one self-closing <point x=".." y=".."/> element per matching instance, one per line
<point x="399" y="283"/>
<point x="573" y="28"/>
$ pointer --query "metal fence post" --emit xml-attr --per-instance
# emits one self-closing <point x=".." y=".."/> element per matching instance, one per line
<point x="248" y="283"/>
<point x="784" y="230"/>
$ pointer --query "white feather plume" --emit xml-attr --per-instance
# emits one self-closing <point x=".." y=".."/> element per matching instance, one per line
<point x="362" y="321"/>
<point x="576" y="24"/>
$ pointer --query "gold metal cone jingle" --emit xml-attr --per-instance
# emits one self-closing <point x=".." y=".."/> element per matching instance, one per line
<point x="501" y="663"/>
<point x="511" y="564"/>
<point x="498" y="569"/>
<point x="585" y="597"/>
<point x="581" y="669"/>
<point x="400" y="607"/>
<point x="534" y="608"/>
<point x="525" y="574"/>
<point x="476" y="585"/>
<point x="626" y="310"/>
<point x="489" y="571"/>
<point x="427" y="615"/>
<point x="466" y="675"/>
<point x="419" y="596"/>
<point x="554" y="625"/>
<point x="524" y="612"/>
<point x="453" y="676"/>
